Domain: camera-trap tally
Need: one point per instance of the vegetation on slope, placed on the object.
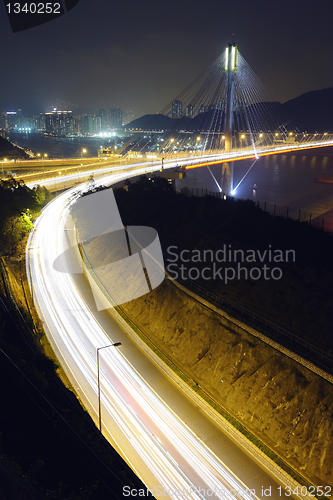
(49, 446)
(301, 300)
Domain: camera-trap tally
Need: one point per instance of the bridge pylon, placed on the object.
(230, 69)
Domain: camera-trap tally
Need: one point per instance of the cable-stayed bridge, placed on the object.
(225, 114)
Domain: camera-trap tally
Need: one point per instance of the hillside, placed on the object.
(313, 111)
(8, 150)
(286, 405)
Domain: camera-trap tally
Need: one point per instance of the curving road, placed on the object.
(149, 432)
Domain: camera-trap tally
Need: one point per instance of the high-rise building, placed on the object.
(177, 109)
(11, 119)
(94, 124)
(2, 119)
(84, 125)
(104, 120)
(60, 122)
(115, 118)
(189, 111)
(202, 109)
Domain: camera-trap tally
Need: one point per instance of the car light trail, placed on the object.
(159, 446)
(170, 455)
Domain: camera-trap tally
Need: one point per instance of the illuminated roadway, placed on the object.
(151, 436)
(70, 175)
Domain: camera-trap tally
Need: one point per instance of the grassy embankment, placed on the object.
(209, 223)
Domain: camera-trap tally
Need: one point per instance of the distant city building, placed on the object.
(10, 119)
(94, 125)
(202, 109)
(38, 122)
(60, 123)
(84, 125)
(2, 120)
(189, 111)
(177, 109)
(104, 120)
(63, 123)
(239, 104)
(115, 118)
(128, 116)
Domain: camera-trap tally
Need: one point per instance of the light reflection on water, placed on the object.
(285, 180)
(58, 147)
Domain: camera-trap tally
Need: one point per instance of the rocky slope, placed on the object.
(286, 405)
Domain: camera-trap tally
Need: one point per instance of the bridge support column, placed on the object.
(230, 68)
(227, 183)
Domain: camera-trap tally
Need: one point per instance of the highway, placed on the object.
(62, 174)
(148, 430)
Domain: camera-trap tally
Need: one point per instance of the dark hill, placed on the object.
(313, 111)
(8, 150)
(214, 119)
(152, 122)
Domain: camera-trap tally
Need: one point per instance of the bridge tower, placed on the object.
(230, 69)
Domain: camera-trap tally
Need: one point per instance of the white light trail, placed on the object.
(166, 453)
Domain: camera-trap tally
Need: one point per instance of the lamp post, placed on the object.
(83, 151)
(5, 159)
(116, 344)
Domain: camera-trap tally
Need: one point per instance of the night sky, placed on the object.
(139, 54)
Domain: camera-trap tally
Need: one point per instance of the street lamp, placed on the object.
(5, 159)
(83, 151)
(116, 344)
